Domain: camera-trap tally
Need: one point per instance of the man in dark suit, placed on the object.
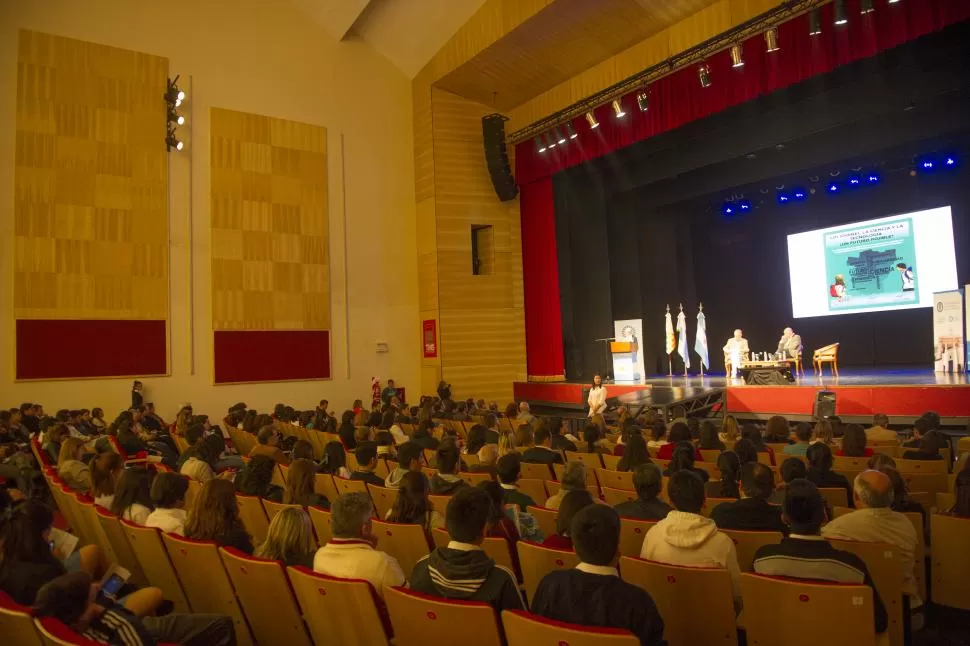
(560, 442)
(540, 449)
(648, 481)
(753, 512)
(491, 429)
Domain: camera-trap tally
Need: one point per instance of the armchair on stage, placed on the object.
(827, 354)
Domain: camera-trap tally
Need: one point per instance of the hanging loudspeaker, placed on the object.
(497, 157)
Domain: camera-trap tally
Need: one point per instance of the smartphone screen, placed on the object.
(112, 586)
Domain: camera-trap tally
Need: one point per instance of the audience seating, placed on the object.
(421, 619)
(87, 513)
(264, 595)
(632, 533)
(54, 633)
(146, 543)
(928, 482)
(711, 468)
(346, 485)
(610, 461)
(537, 561)
(338, 611)
(206, 584)
(253, 517)
(382, 470)
(747, 545)
(835, 496)
(439, 503)
(16, 623)
(545, 518)
(710, 455)
(950, 561)
(321, 524)
(678, 592)
(925, 499)
(427, 471)
(842, 463)
(279, 479)
(323, 485)
(882, 561)
(615, 479)
(271, 508)
(474, 478)
(430, 457)
(614, 497)
(524, 629)
(591, 460)
(471, 459)
(552, 487)
(406, 543)
(124, 555)
(921, 467)
(944, 502)
(195, 488)
(916, 519)
(802, 613)
(383, 499)
(535, 489)
(710, 504)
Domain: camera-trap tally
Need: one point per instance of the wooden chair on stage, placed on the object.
(826, 354)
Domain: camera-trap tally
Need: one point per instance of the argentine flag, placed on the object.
(682, 339)
(700, 342)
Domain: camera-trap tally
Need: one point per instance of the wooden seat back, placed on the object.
(524, 629)
(537, 561)
(338, 611)
(421, 619)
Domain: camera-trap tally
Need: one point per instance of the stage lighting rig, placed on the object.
(558, 136)
(174, 97)
(704, 74)
(737, 56)
(814, 23)
(618, 109)
(771, 40)
(866, 7)
(643, 100)
(569, 131)
(591, 119)
(840, 15)
(540, 147)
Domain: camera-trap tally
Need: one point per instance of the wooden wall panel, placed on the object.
(270, 225)
(481, 318)
(91, 182)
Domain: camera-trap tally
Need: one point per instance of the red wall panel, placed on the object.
(271, 355)
(55, 349)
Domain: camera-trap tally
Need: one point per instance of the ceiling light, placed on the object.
(550, 142)
(737, 56)
(866, 7)
(840, 16)
(618, 109)
(771, 40)
(171, 142)
(643, 100)
(814, 23)
(591, 119)
(540, 147)
(570, 132)
(704, 74)
(557, 134)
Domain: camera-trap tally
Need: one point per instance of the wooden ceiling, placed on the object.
(560, 41)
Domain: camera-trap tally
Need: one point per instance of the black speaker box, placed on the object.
(824, 404)
(497, 157)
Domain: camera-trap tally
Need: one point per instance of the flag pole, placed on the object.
(700, 308)
(685, 339)
(670, 362)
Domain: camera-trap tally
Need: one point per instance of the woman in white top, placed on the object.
(133, 499)
(597, 397)
(168, 495)
(199, 466)
(105, 471)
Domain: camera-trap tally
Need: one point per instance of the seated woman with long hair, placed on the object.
(105, 471)
(334, 460)
(752, 433)
(683, 460)
(854, 443)
(412, 505)
(214, 516)
(709, 440)
(727, 487)
(52, 440)
(635, 453)
(201, 465)
(289, 539)
(29, 562)
(133, 495)
(299, 488)
(499, 524)
(820, 471)
(256, 479)
(75, 473)
(730, 430)
(570, 506)
(168, 495)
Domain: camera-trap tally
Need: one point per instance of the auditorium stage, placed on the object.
(903, 394)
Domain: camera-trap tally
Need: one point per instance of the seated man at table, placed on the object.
(790, 344)
(806, 555)
(735, 351)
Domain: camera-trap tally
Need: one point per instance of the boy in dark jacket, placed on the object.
(447, 460)
(462, 570)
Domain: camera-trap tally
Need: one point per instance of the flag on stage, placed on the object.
(682, 339)
(700, 341)
(671, 340)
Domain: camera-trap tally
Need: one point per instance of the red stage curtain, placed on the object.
(678, 99)
(540, 271)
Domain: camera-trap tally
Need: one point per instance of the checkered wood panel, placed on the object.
(91, 182)
(270, 253)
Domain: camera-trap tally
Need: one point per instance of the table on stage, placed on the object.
(770, 371)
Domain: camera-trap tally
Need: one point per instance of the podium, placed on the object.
(624, 360)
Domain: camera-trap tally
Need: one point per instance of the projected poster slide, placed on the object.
(872, 266)
(889, 263)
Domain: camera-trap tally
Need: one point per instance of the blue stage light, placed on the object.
(799, 194)
(744, 205)
(728, 208)
(783, 198)
(873, 178)
(950, 161)
(927, 165)
(832, 188)
(855, 181)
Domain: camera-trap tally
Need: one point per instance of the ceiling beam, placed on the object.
(335, 16)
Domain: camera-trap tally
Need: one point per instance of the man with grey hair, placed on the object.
(874, 521)
(648, 481)
(350, 554)
(790, 344)
(573, 479)
(525, 414)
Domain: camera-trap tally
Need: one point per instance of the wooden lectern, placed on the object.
(622, 347)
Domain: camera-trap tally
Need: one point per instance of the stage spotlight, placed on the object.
(799, 194)
(591, 119)
(771, 40)
(840, 16)
(560, 138)
(729, 208)
(784, 198)
(172, 142)
(737, 56)
(814, 23)
(832, 188)
(855, 181)
(618, 109)
(866, 7)
(173, 95)
(893, 1)
(643, 100)
(873, 178)
(569, 131)
(540, 147)
(550, 142)
(744, 205)
(950, 161)
(704, 74)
